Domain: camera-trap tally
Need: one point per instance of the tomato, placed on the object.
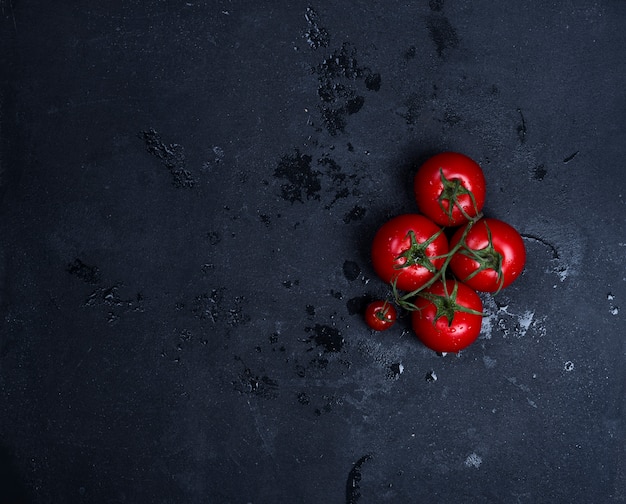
(408, 250)
(450, 188)
(380, 315)
(492, 257)
(448, 317)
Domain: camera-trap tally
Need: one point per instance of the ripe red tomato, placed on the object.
(408, 250)
(448, 318)
(380, 315)
(450, 187)
(493, 256)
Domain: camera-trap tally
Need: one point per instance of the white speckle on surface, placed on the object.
(569, 366)
(508, 322)
(522, 321)
(521, 386)
(538, 327)
(613, 309)
(562, 273)
(473, 460)
(487, 326)
(489, 362)
(525, 319)
(524, 388)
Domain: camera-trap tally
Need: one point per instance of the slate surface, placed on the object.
(188, 193)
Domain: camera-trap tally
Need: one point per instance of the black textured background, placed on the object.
(188, 193)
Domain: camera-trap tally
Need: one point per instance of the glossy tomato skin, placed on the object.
(505, 240)
(393, 239)
(380, 315)
(429, 186)
(439, 335)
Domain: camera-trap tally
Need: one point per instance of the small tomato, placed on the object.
(380, 315)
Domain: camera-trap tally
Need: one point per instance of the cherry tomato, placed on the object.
(380, 315)
(448, 318)
(493, 256)
(408, 250)
(450, 188)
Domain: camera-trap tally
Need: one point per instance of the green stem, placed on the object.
(404, 301)
(451, 191)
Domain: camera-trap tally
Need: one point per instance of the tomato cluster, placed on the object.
(437, 260)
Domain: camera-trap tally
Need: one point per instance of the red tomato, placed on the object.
(450, 188)
(493, 256)
(408, 250)
(448, 318)
(380, 315)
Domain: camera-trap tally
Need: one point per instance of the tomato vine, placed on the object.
(483, 254)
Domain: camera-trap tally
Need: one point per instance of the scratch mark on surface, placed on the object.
(12, 13)
(473, 460)
(553, 249)
(524, 388)
(353, 493)
(172, 156)
(570, 157)
(268, 445)
(521, 129)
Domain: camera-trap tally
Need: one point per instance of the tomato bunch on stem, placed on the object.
(437, 280)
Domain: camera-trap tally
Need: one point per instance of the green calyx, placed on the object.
(452, 190)
(416, 255)
(446, 305)
(488, 258)
(382, 313)
(407, 300)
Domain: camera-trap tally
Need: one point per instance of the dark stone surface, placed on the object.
(188, 193)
